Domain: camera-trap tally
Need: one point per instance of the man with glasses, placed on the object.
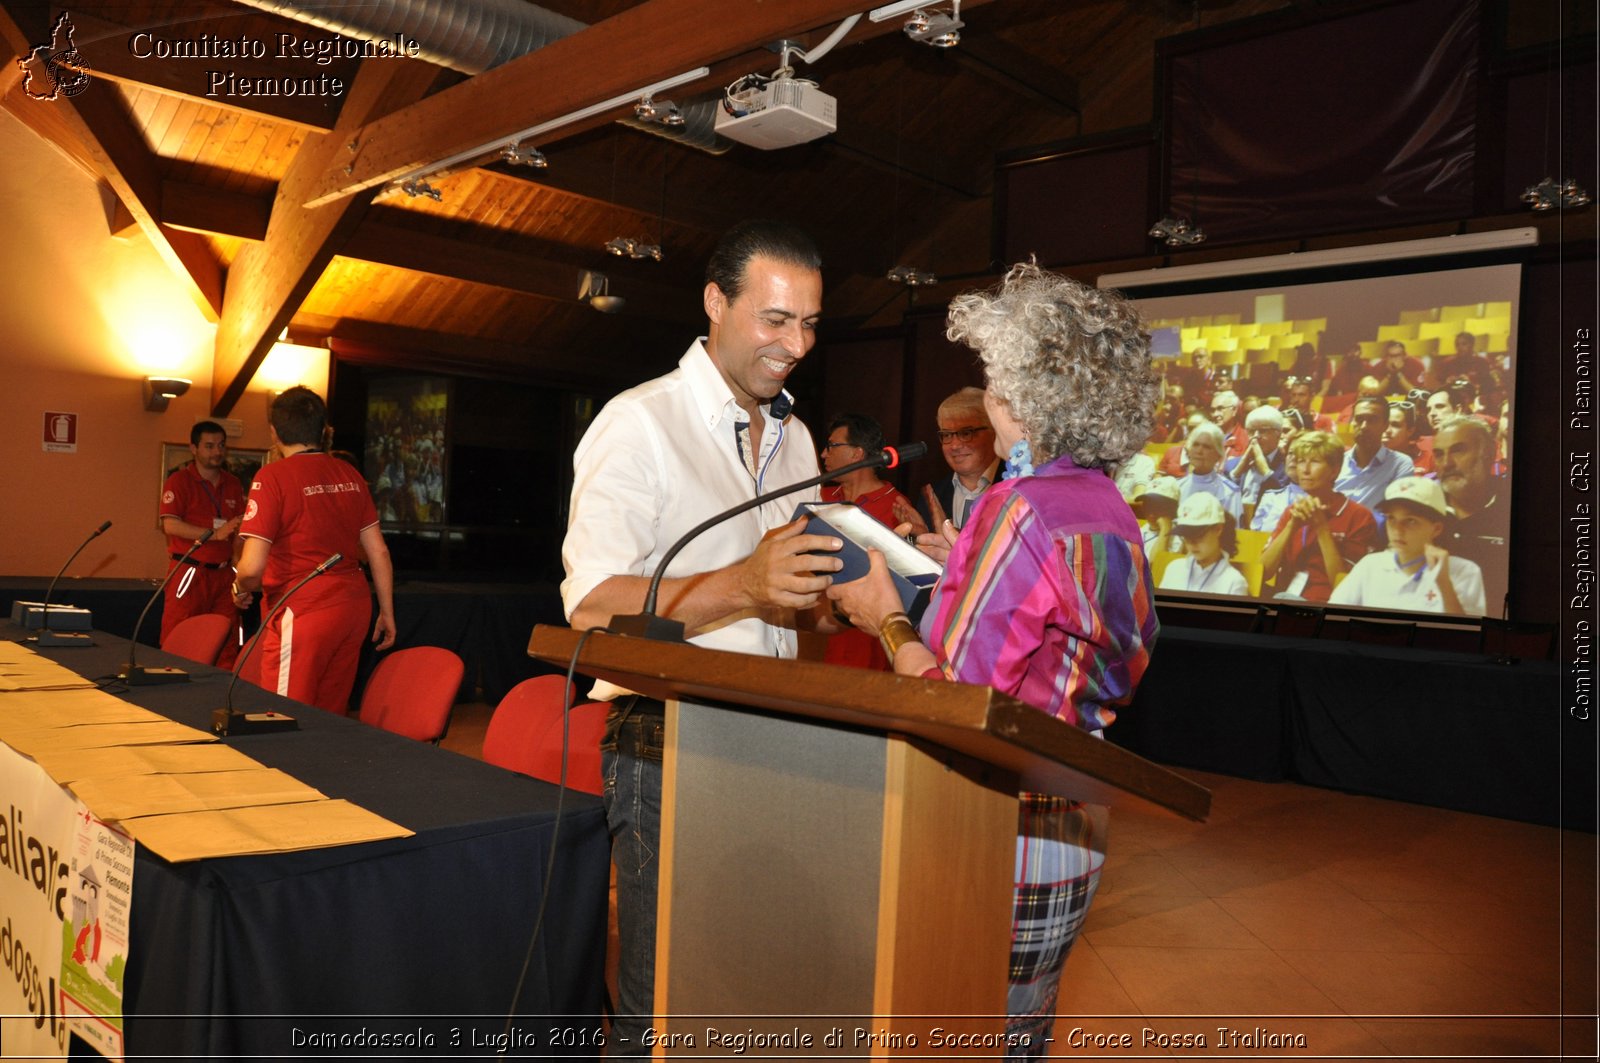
(1225, 415)
(967, 440)
(854, 437)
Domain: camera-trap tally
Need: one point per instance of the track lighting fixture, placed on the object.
(517, 155)
(1177, 232)
(649, 109)
(627, 247)
(912, 277)
(935, 29)
(1548, 195)
(419, 187)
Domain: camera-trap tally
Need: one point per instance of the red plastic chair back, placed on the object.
(412, 691)
(525, 734)
(199, 638)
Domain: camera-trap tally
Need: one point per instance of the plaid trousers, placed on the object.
(1061, 848)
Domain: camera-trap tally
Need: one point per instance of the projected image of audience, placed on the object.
(1303, 412)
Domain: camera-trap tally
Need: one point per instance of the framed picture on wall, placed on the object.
(242, 462)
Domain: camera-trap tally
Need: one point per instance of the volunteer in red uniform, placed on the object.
(303, 509)
(199, 496)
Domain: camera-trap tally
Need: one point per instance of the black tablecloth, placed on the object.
(230, 957)
(1452, 730)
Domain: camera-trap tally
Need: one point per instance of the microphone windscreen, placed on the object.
(905, 452)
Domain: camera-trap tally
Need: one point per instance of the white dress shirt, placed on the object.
(659, 459)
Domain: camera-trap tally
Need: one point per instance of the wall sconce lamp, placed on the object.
(595, 289)
(160, 390)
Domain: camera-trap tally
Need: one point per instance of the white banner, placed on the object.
(66, 890)
(36, 850)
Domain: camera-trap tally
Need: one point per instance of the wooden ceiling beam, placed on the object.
(202, 209)
(96, 131)
(551, 273)
(269, 280)
(649, 43)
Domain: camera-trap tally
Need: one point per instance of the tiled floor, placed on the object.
(1367, 929)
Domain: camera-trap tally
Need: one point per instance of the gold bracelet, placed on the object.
(897, 630)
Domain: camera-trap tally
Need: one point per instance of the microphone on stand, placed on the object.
(135, 676)
(650, 626)
(46, 637)
(228, 721)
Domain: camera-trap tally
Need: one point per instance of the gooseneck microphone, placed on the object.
(135, 676)
(648, 625)
(46, 637)
(228, 720)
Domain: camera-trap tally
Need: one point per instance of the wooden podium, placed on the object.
(838, 846)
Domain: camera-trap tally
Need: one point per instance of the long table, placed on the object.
(420, 940)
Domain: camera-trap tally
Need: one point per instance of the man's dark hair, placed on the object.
(774, 239)
(861, 431)
(1372, 400)
(206, 428)
(299, 416)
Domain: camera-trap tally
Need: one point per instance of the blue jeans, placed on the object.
(630, 761)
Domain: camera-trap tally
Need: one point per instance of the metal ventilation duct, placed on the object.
(472, 36)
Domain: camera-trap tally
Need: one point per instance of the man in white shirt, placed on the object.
(659, 459)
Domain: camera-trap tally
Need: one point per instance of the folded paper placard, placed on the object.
(914, 572)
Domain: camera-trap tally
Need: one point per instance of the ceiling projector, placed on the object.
(779, 114)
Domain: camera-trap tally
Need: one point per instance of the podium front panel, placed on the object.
(777, 829)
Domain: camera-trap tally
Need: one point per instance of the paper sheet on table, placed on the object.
(39, 741)
(22, 669)
(67, 708)
(68, 765)
(270, 829)
(130, 796)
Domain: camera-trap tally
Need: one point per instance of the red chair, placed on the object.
(525, 734)
(412, 691)
(199, 638)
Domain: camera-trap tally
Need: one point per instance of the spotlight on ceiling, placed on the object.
(627, 247)
(1548, 195)
(517, 155)
(912, 277)
(664, 112)
(935, 29)
(1178, 232)
(418, 187)
(595, 289)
